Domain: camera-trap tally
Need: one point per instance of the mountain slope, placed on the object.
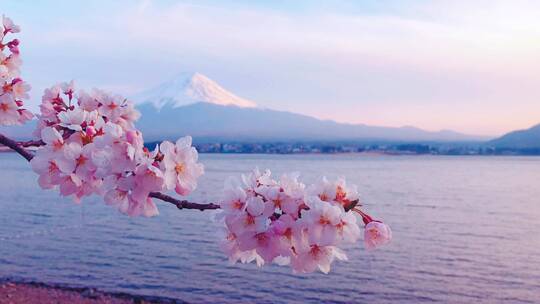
(194, 104)
(529, 138)
(189, 88)
(205, 120)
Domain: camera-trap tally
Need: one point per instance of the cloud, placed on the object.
(392, 65)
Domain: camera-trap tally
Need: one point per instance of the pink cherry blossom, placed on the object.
(111, 106)
(47, 169)
(338, 191)
(70, 184)
(81, 157)
(376, 234)
(148, 178)
(345, 194)
(280, 199)
(320, 222)
(9, 26)
(24, 115)
(68, 88)
(262, 242)
(117, 190)
(234, 197)
(128, 116)
(229, 245)
(288, 235)
(88, 102)
(8, 110)
(20, 89)
(13, 63)
(256, 179)
(246, 221)
(180, 165)
(52, 138)
(4, 70)
(13, 90)
(316, 257)
(13, 46)
(146, 207)
(347, 228)
(72, 119)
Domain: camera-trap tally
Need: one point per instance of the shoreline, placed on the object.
(364, 154)
(22, 291)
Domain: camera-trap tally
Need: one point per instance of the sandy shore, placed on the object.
(17, 293)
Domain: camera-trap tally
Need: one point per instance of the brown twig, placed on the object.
(31, 143)
(13, 145)
(180, 204)
(183, 204)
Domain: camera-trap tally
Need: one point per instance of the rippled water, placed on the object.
(466, 230)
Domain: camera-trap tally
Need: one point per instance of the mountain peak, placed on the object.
(189, 88)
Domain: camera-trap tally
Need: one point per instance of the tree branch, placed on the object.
(180, 204)
(31, 143)
(13, 145)
(183, 204)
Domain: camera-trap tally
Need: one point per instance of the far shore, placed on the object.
(15, 292)
(366, 153)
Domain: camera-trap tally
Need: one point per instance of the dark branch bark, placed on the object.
(180, 204)
(31, 143)
(183, 204)
(13, 145)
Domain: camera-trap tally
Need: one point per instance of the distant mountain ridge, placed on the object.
(520, 139)
(193, 104)
(205, 120)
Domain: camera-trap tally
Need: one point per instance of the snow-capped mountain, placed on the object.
(189, 88)
(196, 105)
(193, 104)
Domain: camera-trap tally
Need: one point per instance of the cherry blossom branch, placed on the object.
(180, 204)
(90, 143)
(183, 204)
(31, 143)
(13, 145)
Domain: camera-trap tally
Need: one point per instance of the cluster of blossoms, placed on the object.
(91, 146)
(12, 88)
(286, 222)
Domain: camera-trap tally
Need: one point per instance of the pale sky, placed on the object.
(469, 66)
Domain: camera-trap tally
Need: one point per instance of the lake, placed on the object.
(466, 230)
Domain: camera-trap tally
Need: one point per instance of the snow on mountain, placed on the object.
(189, 88)
(192, 104)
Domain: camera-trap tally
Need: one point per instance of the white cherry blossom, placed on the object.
(72, 119)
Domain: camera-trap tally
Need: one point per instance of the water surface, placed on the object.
(466, 230)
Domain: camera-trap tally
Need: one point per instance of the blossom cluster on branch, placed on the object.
(89, 145)
(92, 147)
(285, 222)
(13, 90)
